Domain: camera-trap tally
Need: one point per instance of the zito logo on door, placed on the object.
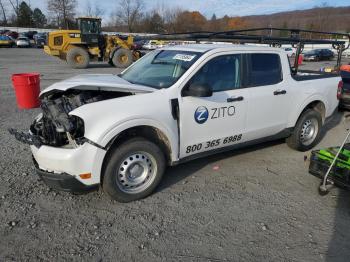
(201, 115)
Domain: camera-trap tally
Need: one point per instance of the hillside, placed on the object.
(321, 19)
(325, 19)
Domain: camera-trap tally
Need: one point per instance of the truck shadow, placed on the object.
(178, 173)
(334, 121)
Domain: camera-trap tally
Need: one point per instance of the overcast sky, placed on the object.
(219, 7)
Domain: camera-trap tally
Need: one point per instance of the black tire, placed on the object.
(122, 58)
(119, 181)
(298, 140)
(78, 58)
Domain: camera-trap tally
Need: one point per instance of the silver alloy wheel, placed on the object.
(309, 131)
(136, 172)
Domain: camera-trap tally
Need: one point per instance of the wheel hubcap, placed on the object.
(79, 59)
(136, 172)
(123, 59)
(309, 131)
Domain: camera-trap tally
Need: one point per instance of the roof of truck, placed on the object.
(220, 47)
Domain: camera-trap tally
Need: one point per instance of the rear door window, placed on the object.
(264, 69)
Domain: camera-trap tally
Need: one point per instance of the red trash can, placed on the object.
(27, 89)
(300, 59)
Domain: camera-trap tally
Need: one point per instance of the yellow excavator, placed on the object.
(79, 47)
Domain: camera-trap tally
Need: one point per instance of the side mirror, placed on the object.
(199, 90)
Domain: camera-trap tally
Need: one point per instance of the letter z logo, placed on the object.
(201, 115)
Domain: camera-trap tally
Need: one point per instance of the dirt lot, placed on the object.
(260, 205)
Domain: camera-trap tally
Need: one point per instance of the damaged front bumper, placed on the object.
(84, 159)
(62, 181)
(61, 167)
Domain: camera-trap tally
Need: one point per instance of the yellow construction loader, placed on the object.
(79, 47)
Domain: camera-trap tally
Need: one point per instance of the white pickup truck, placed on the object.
(175, 104)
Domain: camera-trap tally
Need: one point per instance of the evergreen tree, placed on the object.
(25, 15)
(39, 19)
(156, 23)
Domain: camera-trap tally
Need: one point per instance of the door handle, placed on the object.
(235, 99)
(279, 92)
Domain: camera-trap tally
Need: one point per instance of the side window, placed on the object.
(265, 69)
(58, 40)
(220, 73)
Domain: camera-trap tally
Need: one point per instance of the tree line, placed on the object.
(129, 15)
(135, 16)
(15, 13)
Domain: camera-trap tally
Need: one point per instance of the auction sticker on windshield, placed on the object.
(184, 57)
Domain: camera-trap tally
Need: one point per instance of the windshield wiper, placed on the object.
(161, 63)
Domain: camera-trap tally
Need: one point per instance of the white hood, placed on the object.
(105, 82)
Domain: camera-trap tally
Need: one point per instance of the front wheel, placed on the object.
(122, 58)
(78, 58)
(306, 132)
(133, 170)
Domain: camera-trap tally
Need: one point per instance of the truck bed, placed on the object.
(304, 75)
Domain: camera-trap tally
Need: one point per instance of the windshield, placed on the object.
(90, 26)
(160, 68)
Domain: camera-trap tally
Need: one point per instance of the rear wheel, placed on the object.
(306, 132)
(133, 170)
(122, 58)
(78, 58)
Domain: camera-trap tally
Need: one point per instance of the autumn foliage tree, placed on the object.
(235, 23)
(190, 21)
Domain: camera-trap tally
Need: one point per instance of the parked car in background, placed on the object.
(318, 55)
(40, 40)
(2, 32)
(290, 51)
(12, 34)
(30, 34)
(150, 45)
(6, 41)
(138, 45)
(154, 44)
(22, 42)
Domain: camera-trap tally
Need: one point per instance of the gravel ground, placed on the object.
(257, 204)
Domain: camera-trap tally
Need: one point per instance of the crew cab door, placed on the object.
(218, 120)
(271, 99)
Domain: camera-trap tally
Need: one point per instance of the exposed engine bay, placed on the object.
(54, 126)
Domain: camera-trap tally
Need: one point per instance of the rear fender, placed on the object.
(296, 114)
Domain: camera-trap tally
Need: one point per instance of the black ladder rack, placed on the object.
(266, 35)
